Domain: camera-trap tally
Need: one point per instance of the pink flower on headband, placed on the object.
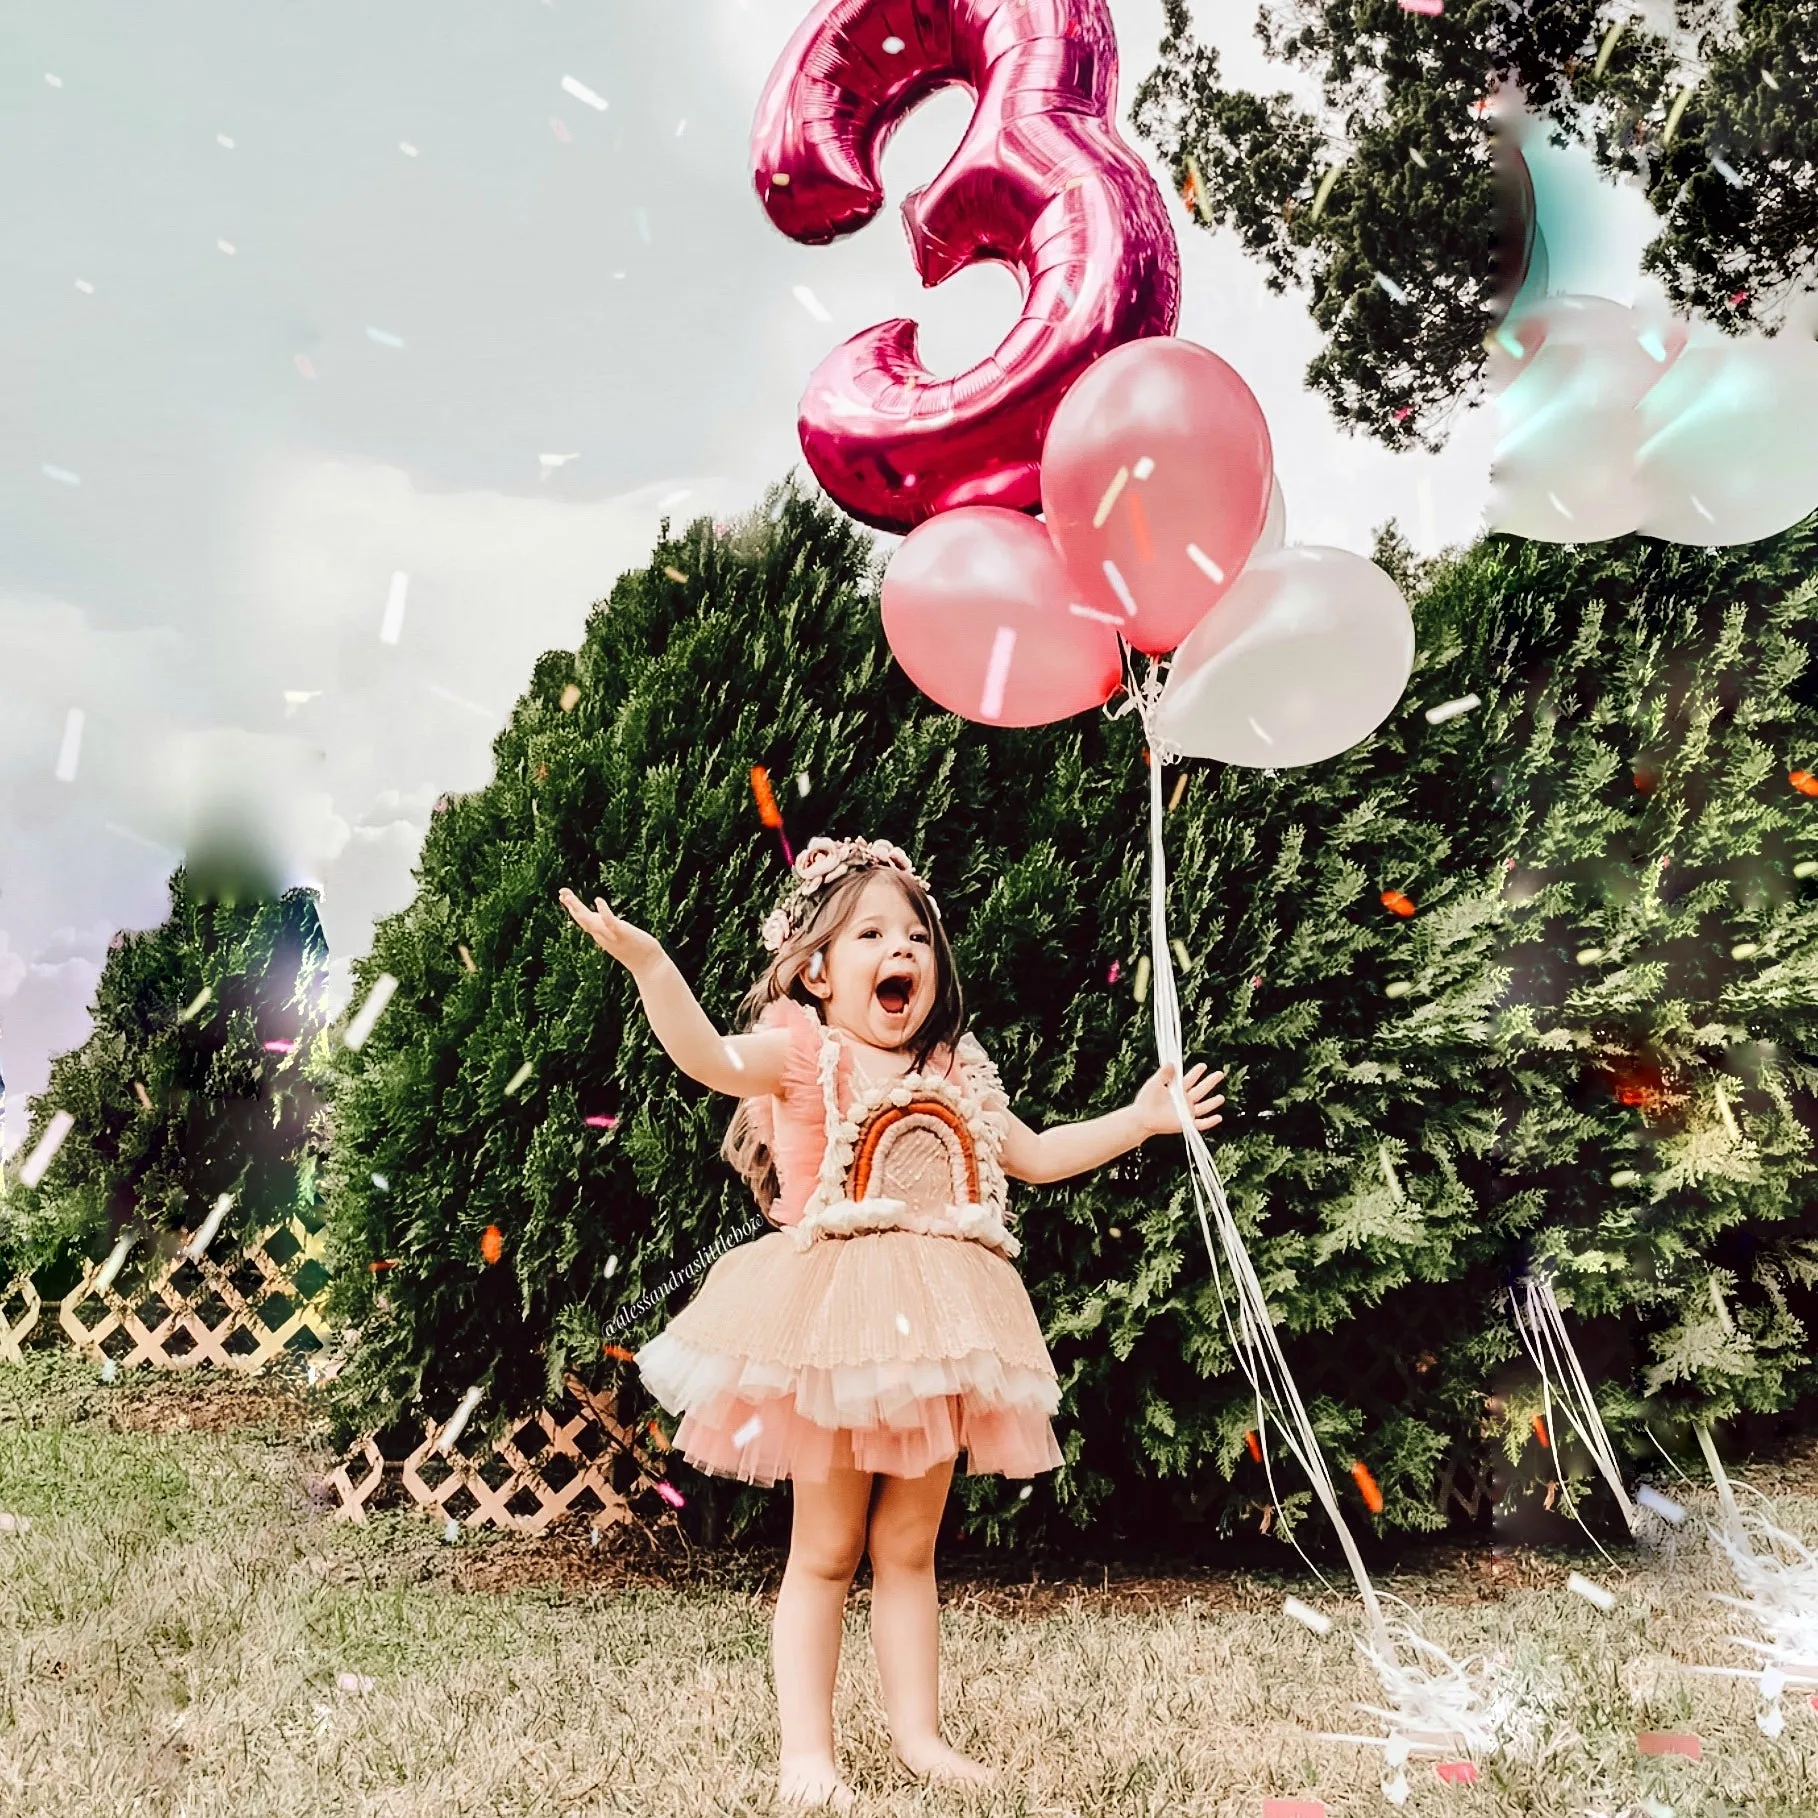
(775, 930)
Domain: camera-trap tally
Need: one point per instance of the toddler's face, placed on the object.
(877, 981)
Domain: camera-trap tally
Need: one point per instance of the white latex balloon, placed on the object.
(1303, 658)
(1729, 442)
(1569, 374)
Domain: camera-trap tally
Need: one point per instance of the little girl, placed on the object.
(881, 1330)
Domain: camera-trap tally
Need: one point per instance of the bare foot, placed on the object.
(813, 1780)
(933, 1760)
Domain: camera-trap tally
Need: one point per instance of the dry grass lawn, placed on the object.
(178, 1614)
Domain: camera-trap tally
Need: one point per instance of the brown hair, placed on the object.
(829, 912)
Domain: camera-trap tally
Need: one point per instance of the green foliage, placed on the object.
(1414, 207)
(1414, 1106)
(173, 1108)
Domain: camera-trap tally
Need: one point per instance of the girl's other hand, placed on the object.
(1155, 1105)
(631, 947)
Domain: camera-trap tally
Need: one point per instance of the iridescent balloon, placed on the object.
(1041, 181)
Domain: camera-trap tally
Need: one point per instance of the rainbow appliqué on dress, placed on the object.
(883, 1327)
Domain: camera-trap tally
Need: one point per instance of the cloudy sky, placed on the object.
(297, 300)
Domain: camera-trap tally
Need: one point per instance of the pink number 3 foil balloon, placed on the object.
(1041, 181)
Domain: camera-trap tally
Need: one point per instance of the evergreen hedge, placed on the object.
(1418, 1102)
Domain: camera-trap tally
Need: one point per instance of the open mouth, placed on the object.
(894, 995)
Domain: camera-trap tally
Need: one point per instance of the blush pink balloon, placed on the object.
(1041, 181)
(1156, 480)
(979, 612)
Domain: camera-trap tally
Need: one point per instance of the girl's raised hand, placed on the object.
(630, 946)
(1155, 1105)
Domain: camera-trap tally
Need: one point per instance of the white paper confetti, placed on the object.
(748, 1432)
(1142, 469)
(517, 1080)
(109, 1369)
(810, 302)
(997, 673)
(1119, 587)
(392, 627)
(1316, 1620)
(61, 474)
(384, 339)
(369, 1012)
(45, 1152)
(227, 246)
(1591, 1593)
(893, 45)
(1450, 710)
(1663, 1506)
(223, 140)
(196, 1004)
(353, 1682)
(71, 753)
(1109, 497)
(86, 288)
(459, 1419)
(210, 1225)
(405, 146)
(1205, 564)
(582, 92)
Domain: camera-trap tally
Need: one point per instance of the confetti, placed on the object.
(1254, 1444)
(997, 673)
(492, 1245)
(466, 957)
(1109, 497)
(60, 474)
(459, 1419)
(681, 126)
(1726, 171)
(1456, 1773)
(1366, 1485)
(143, 1096)
(582, 92)
(1450, 710)
(658, 1435)
(1388, 286)
(670, 1494)
(1304, 1613)
(54, 81)
(803, 785)
(353, 1682)
(902, 1325)
(1205, 564)
(1142, 469)
(1180, 789)
(1142, 978)
(1673, 114)
(382, 1183)
(1399, 904)
(210, 1225)
(1591, 1593)
(223, 140)
(1540, 1433)
(517, 1080)
(71, 751)
(1324, 190)
(620, 1353)
(560, 129)
(602, 1123)
(1111, 977)
(1414, 153)
(1431, 8)
(369, 1012)
(86, 288)
(611, 1269)
(303, 365)
(558, 460)
(1139, 529)
(1180, 953)
(451, 1529)
(109, 1369)
(280, 1047)
(227, 246)
(392, 627)
(768, 812)
(571, 696)
(405, 146)
(15, 1524)
(780, 179)
(1198, 200)
(1092, 612)
(1610, 39)
(45, 1153)
(374, 1268)
(383, 338)
(1119, 587)
(748, 1432)
(1667, 1742)
(1293, 1808)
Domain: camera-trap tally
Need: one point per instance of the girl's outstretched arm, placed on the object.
(1069, 1149)
(743, 1066)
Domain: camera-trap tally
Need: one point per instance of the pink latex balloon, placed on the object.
(1156, 479)
(979, 612)
(1041, 181)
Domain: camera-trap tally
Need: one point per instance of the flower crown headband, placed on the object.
(819, 864)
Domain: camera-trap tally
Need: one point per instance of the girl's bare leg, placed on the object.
(826, 1542)
(905, 1622)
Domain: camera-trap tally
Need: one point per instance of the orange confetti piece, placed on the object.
(767, 809)
(1139, 529)
(1367, 1486)
(1399, 904)
(1255, 1446)
(1294, 1808)
(1803, 781)
(1540, 1433)
(1665, 1742)
(492, 1243)
(1456, 1773)
(620, 1353)
(659, 1436)
(375, 1267)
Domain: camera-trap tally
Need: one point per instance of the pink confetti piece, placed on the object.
(280, 1047)
(1668, 1742)
(1294, 1808)
(1432, 8)
(997, 672)
(1456, 1773)
(304, 367)
(602, 1123)
(559, 128)
(670, 1494)
(1112, 976)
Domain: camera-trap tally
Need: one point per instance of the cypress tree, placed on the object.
(175, 1095)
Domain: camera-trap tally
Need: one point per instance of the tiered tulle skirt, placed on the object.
(889, 1352)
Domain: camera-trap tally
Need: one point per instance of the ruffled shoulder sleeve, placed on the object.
(982, 1076)
(806, 1032)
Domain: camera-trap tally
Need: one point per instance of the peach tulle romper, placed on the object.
(882, 1328)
